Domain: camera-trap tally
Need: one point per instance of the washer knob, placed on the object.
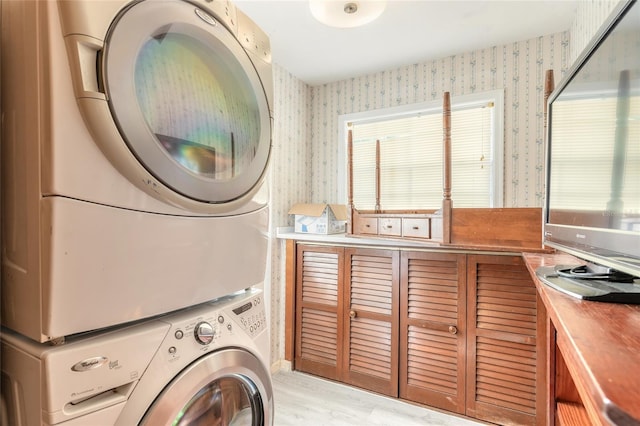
(204, 333)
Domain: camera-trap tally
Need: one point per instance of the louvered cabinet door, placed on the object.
(432, 329)
(502, 340)
(319, 310)
(371, 320)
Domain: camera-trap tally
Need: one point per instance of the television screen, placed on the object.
(592, 206)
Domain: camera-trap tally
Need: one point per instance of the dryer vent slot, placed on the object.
(100, 400)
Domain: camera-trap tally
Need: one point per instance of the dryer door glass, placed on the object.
(198, 104)
(187, 100)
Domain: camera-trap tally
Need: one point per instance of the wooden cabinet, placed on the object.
(370, 314)
(502, 360)
(425, 226)
(432, 324)
(468, 335)
(347, 316)
(593, 354)
(319, 319)
(451, 330)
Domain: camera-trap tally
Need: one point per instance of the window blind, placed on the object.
(411, 157)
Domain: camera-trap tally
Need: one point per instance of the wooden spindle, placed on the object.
(378, 209)
(446, 189)
(350, 207)
(446, 124)
(548, 88)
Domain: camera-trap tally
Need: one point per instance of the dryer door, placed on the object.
(187, 100)
(229, 387)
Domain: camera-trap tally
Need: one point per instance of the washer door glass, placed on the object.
(228, 387)
(227, 401)
(187, 100)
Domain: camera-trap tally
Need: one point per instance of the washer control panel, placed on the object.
(192, 331)
(197, 332)
(207, 326)
(251, 315)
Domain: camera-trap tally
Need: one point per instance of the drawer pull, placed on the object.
(416, 228)
(368, 226)
(389, 226)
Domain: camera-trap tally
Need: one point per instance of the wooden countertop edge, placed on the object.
(592, 396)
(596, 402)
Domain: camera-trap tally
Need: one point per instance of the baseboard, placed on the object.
(281, 365)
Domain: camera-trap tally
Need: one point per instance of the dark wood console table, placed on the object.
(593, 366)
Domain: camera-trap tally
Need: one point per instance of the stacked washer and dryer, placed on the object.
(135, 142)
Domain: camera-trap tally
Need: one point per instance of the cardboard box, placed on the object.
(319, 218)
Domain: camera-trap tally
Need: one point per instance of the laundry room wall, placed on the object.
(290, 174)
(518, 68)
(305, 163)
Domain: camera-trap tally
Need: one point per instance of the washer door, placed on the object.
(187, 100)
(229, 387)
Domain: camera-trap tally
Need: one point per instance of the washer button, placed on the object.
(220, 319)
(172, 350)
(179, 334)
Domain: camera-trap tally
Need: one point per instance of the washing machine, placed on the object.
(135, 142)
(204, 365)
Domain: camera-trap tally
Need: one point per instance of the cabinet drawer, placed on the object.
(389, 226)
(366, 225)
(417, 228)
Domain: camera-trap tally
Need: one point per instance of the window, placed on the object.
(411, 154)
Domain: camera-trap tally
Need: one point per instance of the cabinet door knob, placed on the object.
(453, 329)
(352, 314)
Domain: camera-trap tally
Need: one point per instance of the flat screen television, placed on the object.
(592, 203)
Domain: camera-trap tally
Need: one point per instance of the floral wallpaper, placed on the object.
(517, 68)
(305, 139)
(290, 182)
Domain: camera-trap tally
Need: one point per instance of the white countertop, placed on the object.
(287, 233)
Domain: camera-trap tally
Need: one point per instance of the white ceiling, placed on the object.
(408, 32)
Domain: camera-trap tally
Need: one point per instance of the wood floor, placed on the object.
(305, 400)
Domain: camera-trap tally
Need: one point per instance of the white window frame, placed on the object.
(457, 102)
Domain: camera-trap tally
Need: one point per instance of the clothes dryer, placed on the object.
(201, 366)
(136, 137)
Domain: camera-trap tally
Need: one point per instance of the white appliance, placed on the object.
(200, 366)
(136, 136)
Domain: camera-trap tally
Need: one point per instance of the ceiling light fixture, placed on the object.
(346, 14)
(350, 8)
